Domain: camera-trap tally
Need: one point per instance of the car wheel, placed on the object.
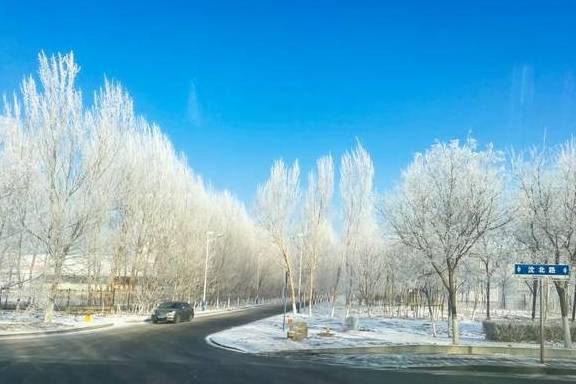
(176, 319)
(155, 321)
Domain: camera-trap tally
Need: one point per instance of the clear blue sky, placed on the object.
(238, 84)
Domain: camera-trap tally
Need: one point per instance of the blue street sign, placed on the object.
(559, 270)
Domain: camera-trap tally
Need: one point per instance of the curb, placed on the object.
(549, 371)
(216, 344)
(472, 350)
(55, 332)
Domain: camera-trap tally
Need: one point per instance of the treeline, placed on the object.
(455, 223)
(98, 192)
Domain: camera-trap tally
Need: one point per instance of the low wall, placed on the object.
(558, 353)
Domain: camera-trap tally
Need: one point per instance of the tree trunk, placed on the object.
(503, 295)
(475, 304)
(453, 312)
(430, 310)
(487, 296)
(311, 291)
(349, 270)
(292, 291)
(335, 289)
(49, 309)
(561, 290)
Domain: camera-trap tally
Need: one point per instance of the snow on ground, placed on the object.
(267, 335)
(13, 322)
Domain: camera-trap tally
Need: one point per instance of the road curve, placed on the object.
(167, 353)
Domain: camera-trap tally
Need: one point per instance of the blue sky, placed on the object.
(238, 84)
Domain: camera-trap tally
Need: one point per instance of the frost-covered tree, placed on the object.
(494, 252)
(99, 194)
(547, 197)
(276, 204)
(358, 221)
(316, 215)
(371, 269)
(527, 240)
(14, 179)
(450, 197)
(70, 155)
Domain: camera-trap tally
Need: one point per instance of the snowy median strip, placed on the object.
(374, 336)
(266, 335)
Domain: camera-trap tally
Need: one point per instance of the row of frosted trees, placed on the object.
(98, 195)
(447, 234)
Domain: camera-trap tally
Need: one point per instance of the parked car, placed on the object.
(173, 311)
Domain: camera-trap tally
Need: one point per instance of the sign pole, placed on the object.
(542, 321)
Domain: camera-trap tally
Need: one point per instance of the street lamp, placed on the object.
(301, 236)
(208, 238)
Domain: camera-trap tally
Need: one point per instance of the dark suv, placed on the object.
(173, 311)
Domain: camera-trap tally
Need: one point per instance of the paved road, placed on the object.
(151, 353)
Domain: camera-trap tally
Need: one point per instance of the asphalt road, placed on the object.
(166, 353)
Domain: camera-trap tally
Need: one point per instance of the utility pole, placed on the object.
(208, 235)
(284, 293)
(301, 236)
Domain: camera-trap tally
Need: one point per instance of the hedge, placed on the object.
(525, 330)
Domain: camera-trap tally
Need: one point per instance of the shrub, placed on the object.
(524, 330)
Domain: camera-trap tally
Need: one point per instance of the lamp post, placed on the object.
(208, 238)
(301, 236)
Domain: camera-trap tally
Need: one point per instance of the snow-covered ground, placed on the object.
(267, 335)
(28, 321)
(12, 322)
